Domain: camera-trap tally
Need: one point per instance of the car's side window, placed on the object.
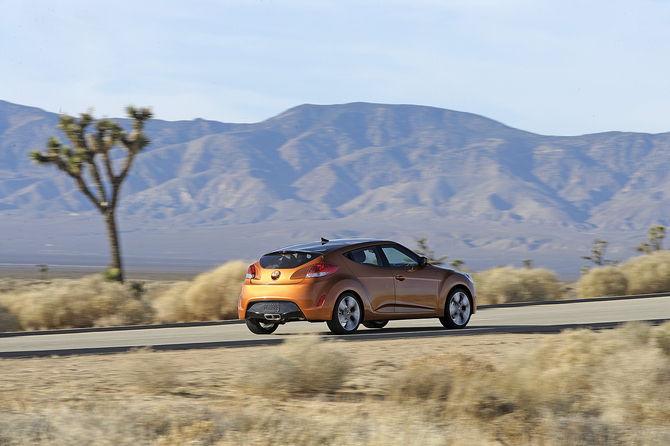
(366, 256)
(398, 258)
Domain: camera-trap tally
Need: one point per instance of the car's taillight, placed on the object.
(252, 273)
(321, 269)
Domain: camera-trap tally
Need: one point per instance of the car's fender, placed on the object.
(452, 281)
(345, 285)
(325, 311)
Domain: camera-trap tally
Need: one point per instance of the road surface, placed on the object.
(547, 317)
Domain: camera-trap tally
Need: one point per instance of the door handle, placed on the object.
(400, 278)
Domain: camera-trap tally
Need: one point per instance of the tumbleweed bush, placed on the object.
(507, 284)
(648, 273)
(211, 296)
(603, 281)
(304, 364)
(85, 302)
(579, 387)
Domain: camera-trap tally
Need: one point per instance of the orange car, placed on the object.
(351, 282)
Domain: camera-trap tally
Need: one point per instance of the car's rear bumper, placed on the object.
(306, 296)
(274, 311)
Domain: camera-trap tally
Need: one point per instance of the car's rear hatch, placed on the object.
(284, 267)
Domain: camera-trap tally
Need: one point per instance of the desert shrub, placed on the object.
(171, 306)
(635, 332)
(211, 296)
(113, 423)
(304, 364)
(648, 273)
(579, 387)
(163, 422)
(150, 372)
(112, 275)
(86, 302)
(663, 338)
(603, 281)
(584, 372)
(8, 320)
(508, 284)
(426, 379)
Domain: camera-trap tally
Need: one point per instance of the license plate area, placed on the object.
(267, 307)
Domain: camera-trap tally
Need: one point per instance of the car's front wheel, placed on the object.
(347, 315)
(375, 324)
(457, 310)
(260, 327)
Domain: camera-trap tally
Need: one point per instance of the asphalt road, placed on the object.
(550, 317)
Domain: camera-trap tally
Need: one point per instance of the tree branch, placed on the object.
(78, 178)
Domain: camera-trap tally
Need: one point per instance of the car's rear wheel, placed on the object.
(347, 315)
(457, 310)
(375, 324)
(260, 327)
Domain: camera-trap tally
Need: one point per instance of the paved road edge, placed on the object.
(385, 334)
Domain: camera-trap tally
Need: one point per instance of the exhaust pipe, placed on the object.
(273, 317)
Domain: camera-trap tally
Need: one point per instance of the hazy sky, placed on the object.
(550, 67)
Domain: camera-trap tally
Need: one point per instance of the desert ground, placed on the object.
(456, 390)
(92, 398)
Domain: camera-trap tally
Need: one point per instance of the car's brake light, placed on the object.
(321, 269)
(252, 273)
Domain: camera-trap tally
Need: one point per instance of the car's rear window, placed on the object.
(287, 259)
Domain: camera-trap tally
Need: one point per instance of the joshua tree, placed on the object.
(428, 253)
(89, 162)
(43, 268)
(598, 254)
(655, 241)
(456, 263)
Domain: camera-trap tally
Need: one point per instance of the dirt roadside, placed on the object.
(213, 372)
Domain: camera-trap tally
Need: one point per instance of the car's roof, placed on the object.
(329, 245)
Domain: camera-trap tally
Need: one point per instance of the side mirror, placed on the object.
(423, 261)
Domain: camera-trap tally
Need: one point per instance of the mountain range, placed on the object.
(206, 191)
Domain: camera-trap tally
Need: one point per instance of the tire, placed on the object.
(457, 309)
(375, 324)
(259, 327)
(347, 315)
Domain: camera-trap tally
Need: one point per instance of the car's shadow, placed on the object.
(385, 332)
(418, 332)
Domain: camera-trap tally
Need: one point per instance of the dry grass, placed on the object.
(580, 387)
(507, 284)
(588, 374)
(305, 364)
(151, 373)
(90, 301)
(576, 388)
(603, 281)
(422, 380)
(645, 274)
(86, 302)
(211, 296)
(663, 338)
(8, 320)
(648, 273)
